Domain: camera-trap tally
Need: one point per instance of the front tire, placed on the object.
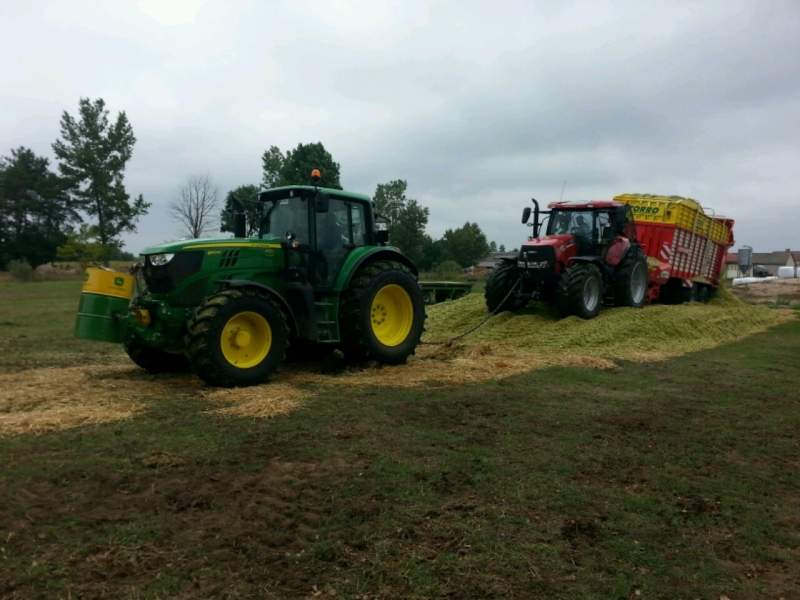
(155, 360)
(382, 315)
(580, 291)
(630, 279)
(498, 285)
(237, 338)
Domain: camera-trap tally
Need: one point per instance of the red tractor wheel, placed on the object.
(580, 291)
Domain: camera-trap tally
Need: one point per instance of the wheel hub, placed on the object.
(241, 339)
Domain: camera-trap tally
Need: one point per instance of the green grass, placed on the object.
(677, 479)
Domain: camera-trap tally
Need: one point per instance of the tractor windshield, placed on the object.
(576, 222)
(287, 217)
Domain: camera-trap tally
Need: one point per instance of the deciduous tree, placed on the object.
(195, 208)
(93, 153)
(248, 194)
(467, 244)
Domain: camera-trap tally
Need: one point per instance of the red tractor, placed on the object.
(588, 256)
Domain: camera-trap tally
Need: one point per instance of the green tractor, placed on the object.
(319, 277)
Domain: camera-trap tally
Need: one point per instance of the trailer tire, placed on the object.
(156, 360)
(703, 294)
(580, 291)
(382, 314)
(630, 278)
(498, 284)
(237, 338)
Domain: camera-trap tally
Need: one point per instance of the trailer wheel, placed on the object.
(498, 284)
(237, 338)
(580, 291)
(703, 294)
(155, 360)
(382, 314)
(630, 279)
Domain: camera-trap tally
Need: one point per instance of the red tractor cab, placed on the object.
(589, 255)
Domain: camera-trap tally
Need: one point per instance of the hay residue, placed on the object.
(508, 344)
(655, 332)
(263, 401)
(51, 399)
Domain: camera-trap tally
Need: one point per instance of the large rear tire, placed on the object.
(155, 360)
(237, 338)
(498, 284)
(382, 315)
(580, 291)
(631, 278)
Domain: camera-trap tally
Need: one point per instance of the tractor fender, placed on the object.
(593, 260)
(377, 254)
(245, 283)
(617, 250)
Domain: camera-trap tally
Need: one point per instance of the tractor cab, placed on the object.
(317, 228)
(592, 225)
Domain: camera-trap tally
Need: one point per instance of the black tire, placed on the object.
(580, 291)
(218, 364)
(155, 360)
(703, 294)
(631, 278)
(500, 281)
(362, 314)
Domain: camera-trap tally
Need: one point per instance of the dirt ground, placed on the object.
(773, 291)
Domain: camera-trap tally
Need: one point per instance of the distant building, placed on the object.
(769, 260)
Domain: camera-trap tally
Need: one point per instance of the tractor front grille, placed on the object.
(538, 263)
(165, 278)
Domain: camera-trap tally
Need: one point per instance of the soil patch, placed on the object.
(772, 291)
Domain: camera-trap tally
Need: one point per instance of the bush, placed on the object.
(20, 270)
(448, 267)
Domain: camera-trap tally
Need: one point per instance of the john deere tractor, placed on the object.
(589, 255)
(319, 276)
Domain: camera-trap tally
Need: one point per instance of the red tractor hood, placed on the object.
(557, 241)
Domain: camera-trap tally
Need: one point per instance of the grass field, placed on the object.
(673, 479)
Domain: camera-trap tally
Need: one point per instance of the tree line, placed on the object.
(461, 247)
(84, 207)
(81, 211)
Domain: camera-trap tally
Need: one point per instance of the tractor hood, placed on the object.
(555, 241)
(203, 243)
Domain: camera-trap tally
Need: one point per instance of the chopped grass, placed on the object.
(653, 333)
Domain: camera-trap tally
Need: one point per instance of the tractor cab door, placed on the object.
(338, 231)
(289, 219)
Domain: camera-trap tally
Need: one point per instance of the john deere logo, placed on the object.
(119, 281)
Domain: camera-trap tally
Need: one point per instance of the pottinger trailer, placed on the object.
(685, 245)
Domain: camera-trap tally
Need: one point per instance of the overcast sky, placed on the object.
(479, 105)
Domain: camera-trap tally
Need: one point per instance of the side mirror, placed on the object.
(382, 237)
(322, 202)
(526, 214)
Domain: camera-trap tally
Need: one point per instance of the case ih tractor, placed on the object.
(319, 276)
(588, 256)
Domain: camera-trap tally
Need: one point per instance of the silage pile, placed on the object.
(655, 332)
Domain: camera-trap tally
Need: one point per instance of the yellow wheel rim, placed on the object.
(392, 315)
(246, 340)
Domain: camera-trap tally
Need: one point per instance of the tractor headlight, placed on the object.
(159, 260)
